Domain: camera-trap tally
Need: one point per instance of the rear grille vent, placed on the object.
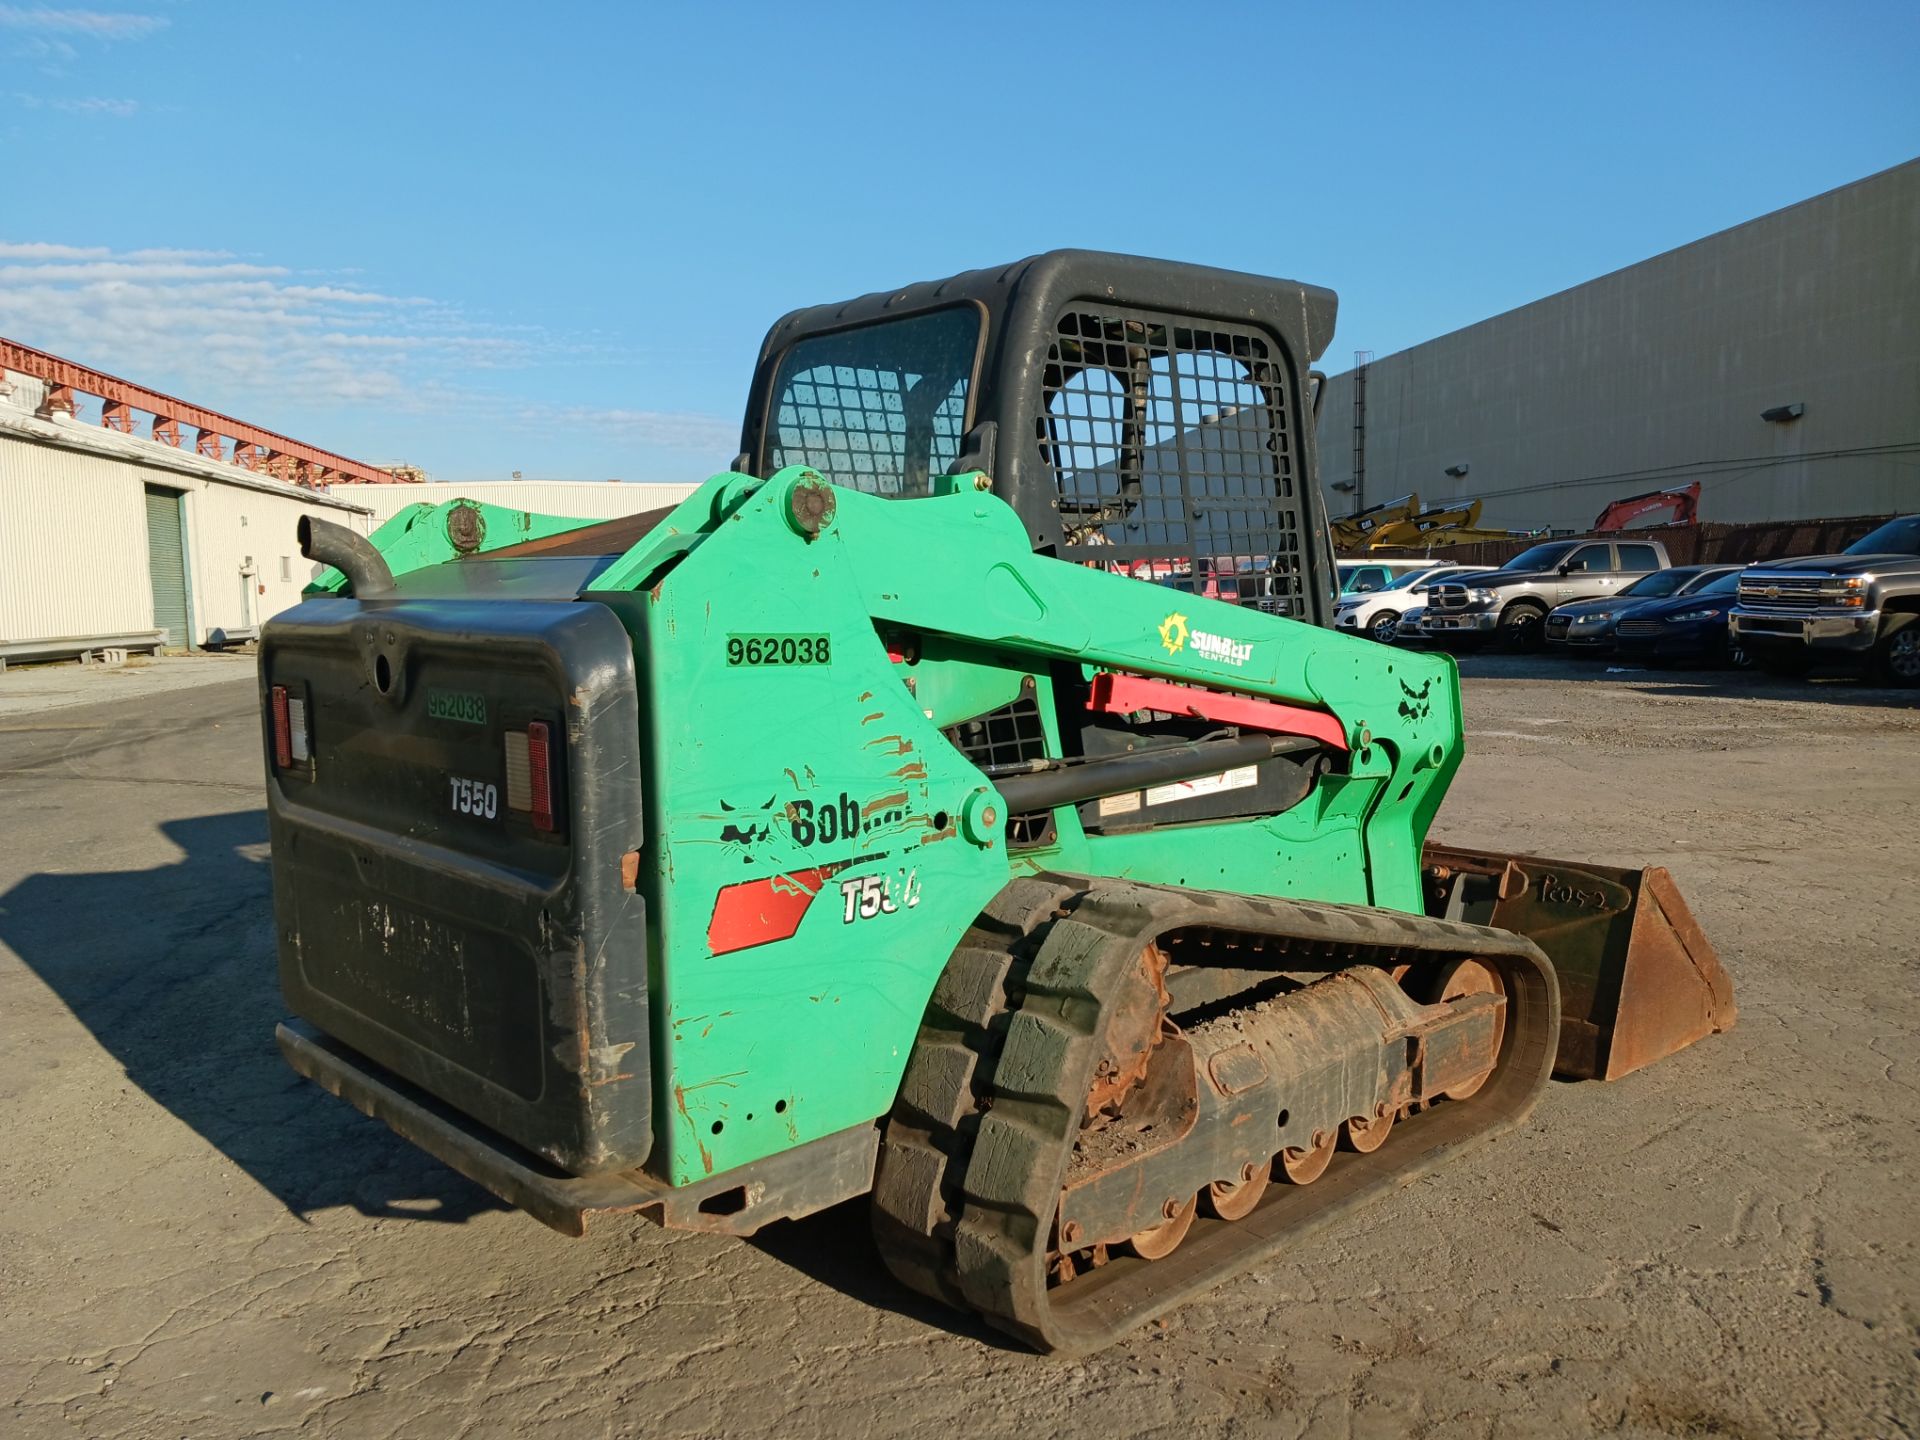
(1007, 736)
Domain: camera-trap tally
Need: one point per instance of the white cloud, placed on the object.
(42, 250)
(53, 53)
(95, 24)
(245, 337)
(93, 105)
(96, 105)
(163, 254)
(672, 429)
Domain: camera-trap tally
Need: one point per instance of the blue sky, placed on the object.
(484, 238)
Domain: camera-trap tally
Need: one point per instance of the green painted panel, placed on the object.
(806, 872)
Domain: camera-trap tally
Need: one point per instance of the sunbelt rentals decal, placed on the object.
(1176, 636)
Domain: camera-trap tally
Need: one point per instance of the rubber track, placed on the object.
(972, 1161)
(916, 1189)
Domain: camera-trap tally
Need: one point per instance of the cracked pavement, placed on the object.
(195, 1242)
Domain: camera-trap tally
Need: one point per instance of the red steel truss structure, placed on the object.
(253, 448)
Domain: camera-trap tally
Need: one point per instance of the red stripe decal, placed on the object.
(1117, 693)
(759, 912)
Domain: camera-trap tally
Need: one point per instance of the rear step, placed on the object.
(785, 1186)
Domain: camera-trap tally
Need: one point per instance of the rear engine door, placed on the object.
(454, 800)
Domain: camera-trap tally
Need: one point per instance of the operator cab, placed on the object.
(1143, 417)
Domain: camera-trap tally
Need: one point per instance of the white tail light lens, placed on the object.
(297, 729)
(519, 777)
(530, 774)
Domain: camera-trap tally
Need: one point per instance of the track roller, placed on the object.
(1305, 1164)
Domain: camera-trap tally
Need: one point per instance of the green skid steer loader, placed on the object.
(961, 803)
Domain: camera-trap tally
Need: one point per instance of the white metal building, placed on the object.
(1777, 363)
(108, 539)
(581, 499)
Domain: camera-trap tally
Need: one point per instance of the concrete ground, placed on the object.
(193, 1242)
(33, 689)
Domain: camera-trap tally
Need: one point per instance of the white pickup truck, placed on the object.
(1376, 613)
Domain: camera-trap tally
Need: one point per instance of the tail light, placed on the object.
(291, 745)
(282, 729)
(541, 774)
(530, 773)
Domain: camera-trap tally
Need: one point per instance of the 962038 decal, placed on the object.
(779, 650)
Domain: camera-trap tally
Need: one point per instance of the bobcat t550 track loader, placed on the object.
(867, 825)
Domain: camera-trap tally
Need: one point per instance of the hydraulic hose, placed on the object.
(1070, 785)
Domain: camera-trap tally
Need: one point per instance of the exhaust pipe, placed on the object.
(365, 567)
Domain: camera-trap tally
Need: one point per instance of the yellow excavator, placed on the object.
(1402, 525)
(1439, 525)
(1360, 530)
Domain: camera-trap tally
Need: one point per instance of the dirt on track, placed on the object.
(194, 1242)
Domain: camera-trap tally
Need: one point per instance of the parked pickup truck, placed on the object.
(1511, 603)
(1863, 602)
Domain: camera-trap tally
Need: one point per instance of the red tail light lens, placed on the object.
(282, 729)
(540, 775)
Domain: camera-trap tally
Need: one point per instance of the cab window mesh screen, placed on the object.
(880, 408)
(1170, 446)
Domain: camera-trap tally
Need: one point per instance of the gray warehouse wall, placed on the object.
(1656, 375)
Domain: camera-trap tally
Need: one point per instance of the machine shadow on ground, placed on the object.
(172, 970)
(836, 1248)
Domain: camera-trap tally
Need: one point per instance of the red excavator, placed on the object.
(1684, 503)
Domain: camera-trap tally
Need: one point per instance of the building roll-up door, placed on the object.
(167, 563)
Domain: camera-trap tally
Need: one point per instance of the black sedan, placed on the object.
(1588, 624)
(1687, 627)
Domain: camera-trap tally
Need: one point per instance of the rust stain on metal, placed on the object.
(876, 715)
(1133, 1031)
(898, 744)
(885, 802)
(630, 870)
(912, 770)
(680, 1104)
(680, 1093)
